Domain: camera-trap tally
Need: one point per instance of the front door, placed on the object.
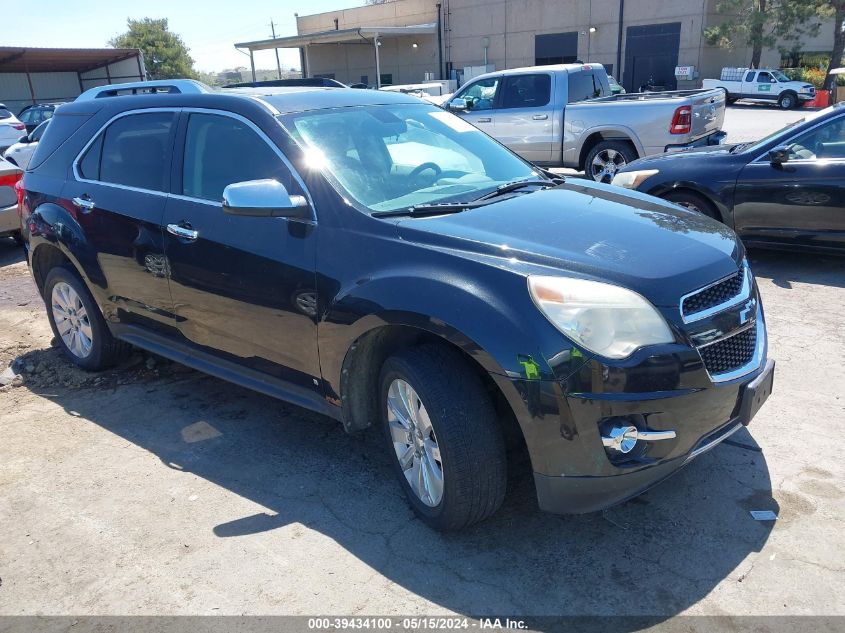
(525, 116)
(801, 200)
(480, 97)
(242, 287)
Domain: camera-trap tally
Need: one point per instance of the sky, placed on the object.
(208, 27)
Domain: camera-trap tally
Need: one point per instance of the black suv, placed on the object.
(376, 259)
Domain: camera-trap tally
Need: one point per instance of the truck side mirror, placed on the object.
(458, 105)
(779, 154)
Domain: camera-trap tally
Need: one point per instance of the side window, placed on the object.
(37, 132)
(28, 116)
(584, 86)
(134, 151)
(526, 91)
(825, 142)
(765, 78)
(221, 150)
(750, 76)
(481, 95)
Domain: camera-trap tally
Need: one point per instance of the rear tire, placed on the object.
(457, 437)
(18, 237)
(606, 158)
(77, 323)
(788, 101)
(693, 202)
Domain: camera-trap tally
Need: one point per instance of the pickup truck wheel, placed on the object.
(76, 321)
(693, 202)
(607, 158)
(787, 101)
(443, 437)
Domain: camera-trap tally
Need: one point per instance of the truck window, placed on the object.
(765, 78)
(527, 91)
(584, 86)
(750, 76)
(481, 95)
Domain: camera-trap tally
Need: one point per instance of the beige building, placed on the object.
(639, 41)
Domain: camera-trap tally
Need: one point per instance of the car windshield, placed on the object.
(393, 157)
(757, 145)
(780, 76)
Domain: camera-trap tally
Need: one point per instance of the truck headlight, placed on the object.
(632, 179)
(609, 320)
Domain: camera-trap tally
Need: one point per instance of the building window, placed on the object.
(365, 79)
(556, 48)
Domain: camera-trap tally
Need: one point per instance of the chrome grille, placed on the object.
(714, 295)
(730, 353)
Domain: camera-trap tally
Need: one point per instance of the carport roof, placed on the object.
(336, 36)
(14, 59)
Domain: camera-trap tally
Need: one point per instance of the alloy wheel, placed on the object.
(414, 442)
(605, 165)
(71, 320)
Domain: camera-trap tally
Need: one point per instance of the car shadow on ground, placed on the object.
(656, 555)
(787, 267)
(10, 251)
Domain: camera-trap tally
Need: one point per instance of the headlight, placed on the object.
(632, 179)
(603, 318)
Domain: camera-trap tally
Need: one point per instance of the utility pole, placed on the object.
(278, 64)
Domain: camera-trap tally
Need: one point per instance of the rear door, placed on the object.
(802, 200)
(243, 287)
(525, 115)
(481, 97)
(749, 84)
(118, 192)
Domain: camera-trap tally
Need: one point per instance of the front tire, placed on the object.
(77, 323)
(788, 101)
(443, 437)
(693, 202)
(606, 158)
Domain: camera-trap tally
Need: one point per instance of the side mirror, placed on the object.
(779, 154)
(24, 139)
(264, 199)
(458, 105)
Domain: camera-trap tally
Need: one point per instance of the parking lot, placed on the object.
(153, 489)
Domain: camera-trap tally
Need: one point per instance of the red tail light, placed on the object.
(19, 126)
(10, 180)
(681, 121)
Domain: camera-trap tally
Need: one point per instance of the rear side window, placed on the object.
(584, 86)
(4, 113)
(134, 151)
(750, 76)
(526, 91)
(38, 132)
(221, 150)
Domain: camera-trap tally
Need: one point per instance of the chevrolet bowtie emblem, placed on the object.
(748, 311)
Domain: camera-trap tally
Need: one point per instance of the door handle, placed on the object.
(86, 204)
(540, 117)
(183, 232)
(485, 119)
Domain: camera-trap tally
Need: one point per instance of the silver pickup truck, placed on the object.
(565, 116)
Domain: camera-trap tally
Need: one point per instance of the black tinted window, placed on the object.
(583, 86)
(219, 151)
(526, 91)
(136, 151)
(4, 113)
(60, 129)
(750, 76)
(89, 166)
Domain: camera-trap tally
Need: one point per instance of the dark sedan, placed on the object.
(787, 189)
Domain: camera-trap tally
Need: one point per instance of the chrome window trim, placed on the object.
(760, 159)
(743, 295)
(175, 109)
(756, 358)
(75, 165)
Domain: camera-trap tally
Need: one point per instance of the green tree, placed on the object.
(761, 23)
(165, 54)
(827, 10)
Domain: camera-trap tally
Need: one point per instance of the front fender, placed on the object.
(722, 199)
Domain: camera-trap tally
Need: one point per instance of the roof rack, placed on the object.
(166, 86)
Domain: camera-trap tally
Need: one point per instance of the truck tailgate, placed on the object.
(708, 112)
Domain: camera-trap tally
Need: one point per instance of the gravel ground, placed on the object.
(153, 489)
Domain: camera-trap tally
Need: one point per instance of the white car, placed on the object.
(10, 222)
(11, 128)
(21, 152)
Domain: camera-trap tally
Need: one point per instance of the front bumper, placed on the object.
(716, 138)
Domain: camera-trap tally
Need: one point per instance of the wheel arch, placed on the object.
(596, 135)
(719, 205)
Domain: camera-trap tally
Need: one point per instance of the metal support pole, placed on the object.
(278, 64)
(252, 64)
(378, 64)
(306, 70)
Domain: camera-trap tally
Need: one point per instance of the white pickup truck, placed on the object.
(565, 115)
(764, 84)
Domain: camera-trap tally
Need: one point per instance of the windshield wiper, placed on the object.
(519, 184)
(419, 210)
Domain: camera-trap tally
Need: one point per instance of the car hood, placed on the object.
(711, 152)
(594, 231)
